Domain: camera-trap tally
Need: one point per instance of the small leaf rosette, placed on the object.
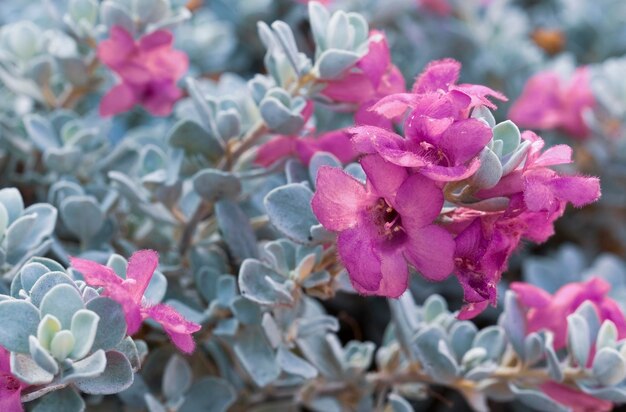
(62, 335)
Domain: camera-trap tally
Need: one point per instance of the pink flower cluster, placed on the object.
(395, 218)
(548, 312)
(129, 293)
(549, 102)
(148, 69)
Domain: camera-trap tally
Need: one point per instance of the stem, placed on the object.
(72, 94)
(203, 209)
(254, 134)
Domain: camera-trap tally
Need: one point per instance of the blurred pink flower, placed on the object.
(10, 386)
(148, 68)
(549, 102)
(545, 311)
(383, 225)
(440, 7)
(576, 400)
(129, 293)
(336, 142)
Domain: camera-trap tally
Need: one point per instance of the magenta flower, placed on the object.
(129, 293)
(10, 386)
(574, 399)
(383, 225)
(439, 141)
(543, 189)
(148, 69)
(440, 77)
(545, 311)
(548, 102)
(439, 138)
(336, 142)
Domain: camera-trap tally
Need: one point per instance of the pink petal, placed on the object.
(531, 296)
(438, 75)
(339, 199)
(119, 99)
(365, 117)
(156, 39)
(575, 399)
(352, 88)
(274, 150)
(5, 360)
(480, 94)
(539, 104)
(450, 174)
(96, 274)
(390, 146)
(338, 143)
(10, 392)
(471, 310)
(175, 325)
(183, 341)
(377, 60)
(141, 267)
(115, 50)
(464, 139)
(430, 250)
(394, 105)
(395, 275)
(418, 201)
(555, 155)
(383, 177)
(131, 308)
(359, 253)
(577, 190)
(161, 97)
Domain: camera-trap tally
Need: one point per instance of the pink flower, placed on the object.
(383, 225)
(440, 7)
(439, 138)
(336, 142)
(543, 189)
(148, 68)
(374, 76)
(576, 400)
(129, 293)
(548, 102)
(10, 386)
(545, 311)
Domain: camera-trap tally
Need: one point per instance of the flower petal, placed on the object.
(430, 250)
(359, 253)
(121, 98)
(141, 267)
(383, 177)
(175, 325)
(395, 275)
(438, 75)
(419, 201)
(339, 199)
(96, 274)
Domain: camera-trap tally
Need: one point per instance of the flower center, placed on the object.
(387, 219)
(436, 155)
